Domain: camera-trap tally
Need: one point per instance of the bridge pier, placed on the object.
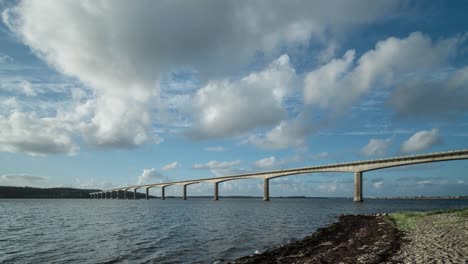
(216, 185)
(266, 189)
(147, 193)
(125, 193)
(184, 197)
(163, 193)
(135, 193)
(117, 194)
(358, 187)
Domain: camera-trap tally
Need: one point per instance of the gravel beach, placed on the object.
(435, 238)
(430, 237)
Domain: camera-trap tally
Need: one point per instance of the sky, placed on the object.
(103, 94)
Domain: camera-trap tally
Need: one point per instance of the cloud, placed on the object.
(171, 166)
(23, 177)
(27, 133)
(332, 88)
(151, 176)
(285, 134)
(227, 108)
(4, 58)
(319, 156)
(268, 162)
(215, 149)
(376, 147)
(219, 168)
(443, 98)
(329, 187)
(420, 179)
(377, 183)
(421, 140)
(213, 164)
(27, 88)
(22, 180)
(123, 60)
(340, 82)
(93, 184)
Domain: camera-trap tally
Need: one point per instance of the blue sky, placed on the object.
(100, 94)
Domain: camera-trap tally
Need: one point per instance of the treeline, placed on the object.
(10, 192)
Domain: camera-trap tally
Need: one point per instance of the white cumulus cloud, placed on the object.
(120, 50)
(340, 82)
(267, 162)
(226, 108)
(171, 166)
(219, 168)
(376, 147)
(151, 176)
(27, 133)
(421, 140)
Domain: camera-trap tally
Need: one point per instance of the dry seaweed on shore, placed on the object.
(353, 239)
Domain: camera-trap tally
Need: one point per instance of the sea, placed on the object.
(197, 230)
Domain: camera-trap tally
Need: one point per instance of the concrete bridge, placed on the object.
(356, 167)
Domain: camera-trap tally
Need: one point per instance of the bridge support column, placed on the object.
(135, 194)
(358, 186)
(216, 185)
(185, 193)
(163, 193)
(117, 194)
(147, 193)
(266, 190)
(125, 193)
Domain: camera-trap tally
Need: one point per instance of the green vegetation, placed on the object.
(10, 192)
(408, 220)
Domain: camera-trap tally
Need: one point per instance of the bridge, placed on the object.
(356, 167)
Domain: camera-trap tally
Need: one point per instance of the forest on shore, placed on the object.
(13, 192)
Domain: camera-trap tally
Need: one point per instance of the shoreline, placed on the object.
(407, 237)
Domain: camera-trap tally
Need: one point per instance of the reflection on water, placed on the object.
(170, 231)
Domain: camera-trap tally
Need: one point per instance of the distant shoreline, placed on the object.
(16, 192)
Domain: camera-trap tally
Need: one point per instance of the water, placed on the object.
(170, 231)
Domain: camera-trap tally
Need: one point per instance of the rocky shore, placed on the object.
(434, 237)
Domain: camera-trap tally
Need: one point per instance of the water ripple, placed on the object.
(171, 231)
